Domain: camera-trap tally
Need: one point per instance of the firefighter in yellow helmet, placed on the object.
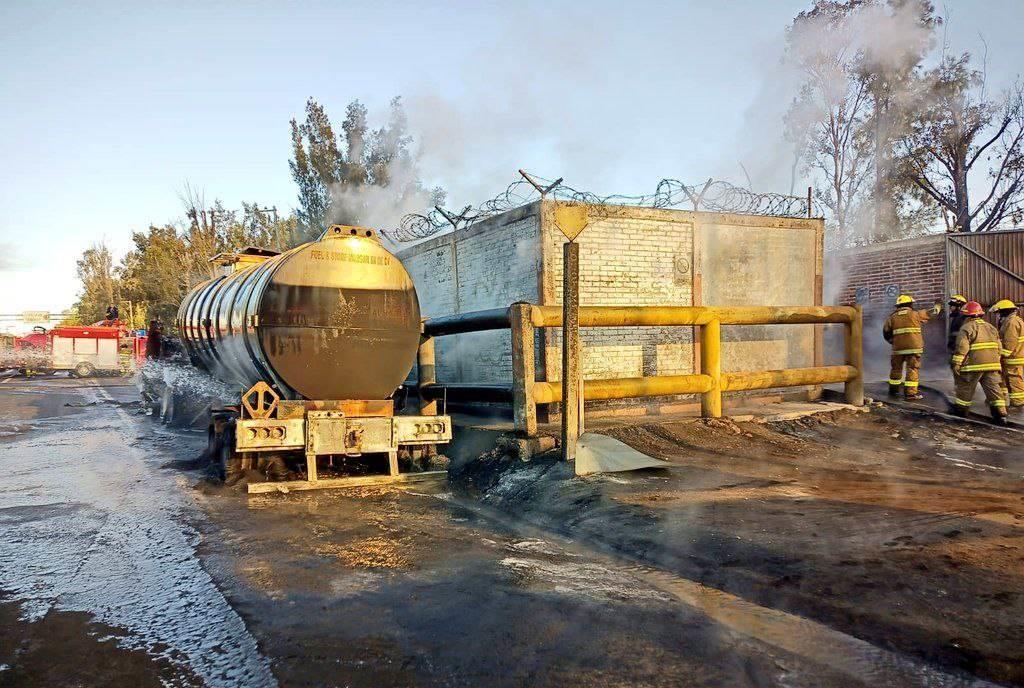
(976, 359)
(956, 319)
(902, 329)
(1011, 343)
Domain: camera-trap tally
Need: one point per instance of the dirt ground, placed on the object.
(850, 549)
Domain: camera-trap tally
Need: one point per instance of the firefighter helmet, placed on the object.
(1004, 305)
(973, 308)
(957, 298)
(904, 300)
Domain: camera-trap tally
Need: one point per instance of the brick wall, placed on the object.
(916, 266)
(628, 257)
(873, 275)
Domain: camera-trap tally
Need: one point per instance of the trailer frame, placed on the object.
(264, 422)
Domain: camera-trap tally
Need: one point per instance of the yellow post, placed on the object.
(524, 375)
(711, 365)
(426, 374)
(854, 331)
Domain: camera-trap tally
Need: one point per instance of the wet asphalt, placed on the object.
(119, 567)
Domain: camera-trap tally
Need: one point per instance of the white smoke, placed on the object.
(382, 206)
(882, 37)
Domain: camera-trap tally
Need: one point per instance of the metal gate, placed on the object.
(986, 266)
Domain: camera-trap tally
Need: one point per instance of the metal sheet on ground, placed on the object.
(602, 454)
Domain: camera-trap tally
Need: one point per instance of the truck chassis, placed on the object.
(266, 424)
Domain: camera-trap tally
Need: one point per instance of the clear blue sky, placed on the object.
(108, 109)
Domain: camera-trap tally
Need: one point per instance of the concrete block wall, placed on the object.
(751, 261)
(630, 257)
(498, 262)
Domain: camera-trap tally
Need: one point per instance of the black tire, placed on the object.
(229, 464)
(84, 369)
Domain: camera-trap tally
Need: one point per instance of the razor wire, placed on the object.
(712, 196)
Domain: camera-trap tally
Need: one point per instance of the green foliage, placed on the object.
(100, 285)
(168, 260)
(963, 140)
(365, 177)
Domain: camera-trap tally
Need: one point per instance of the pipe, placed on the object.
(666, 316)
(475, 321)
(468, 391)
(524, 370)
(790, 377)
(626, 387)
(426, 374)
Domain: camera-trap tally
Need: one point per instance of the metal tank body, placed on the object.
(336, 318)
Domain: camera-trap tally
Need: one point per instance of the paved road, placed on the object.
(119, 567)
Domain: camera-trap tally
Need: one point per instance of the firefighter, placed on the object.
(976, 359)
(956, 319)
(902, 329)
(1011, 349)
(112, 313)
(154, 339)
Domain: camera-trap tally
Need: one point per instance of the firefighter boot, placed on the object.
(998, 415)
(958, 410)
(894, 390)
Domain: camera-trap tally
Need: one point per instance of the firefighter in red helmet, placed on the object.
(976, 359)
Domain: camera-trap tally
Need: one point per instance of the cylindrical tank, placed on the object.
(336, 318)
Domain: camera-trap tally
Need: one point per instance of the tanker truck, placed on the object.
(317, 339)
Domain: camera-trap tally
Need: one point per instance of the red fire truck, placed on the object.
(106, 348)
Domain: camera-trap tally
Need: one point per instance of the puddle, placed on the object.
(583, 579)
(94, 527)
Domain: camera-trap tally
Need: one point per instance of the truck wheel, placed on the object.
(230, 462)
(84, 369)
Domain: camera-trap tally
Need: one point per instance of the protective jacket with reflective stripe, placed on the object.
(977, 347)
(1011, 335)
(903, 330)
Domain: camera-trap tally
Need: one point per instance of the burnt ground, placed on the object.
(904, 532)
(855, 549)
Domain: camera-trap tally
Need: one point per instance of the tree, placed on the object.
(100, 286)
(888, 62)
(962, 136)
(827, 121)
(156, 272)
(858, 60)
(372, 179)
(168, 260)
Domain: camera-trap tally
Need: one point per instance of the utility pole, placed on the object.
(277, 228)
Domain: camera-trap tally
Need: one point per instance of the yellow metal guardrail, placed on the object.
(523, 319)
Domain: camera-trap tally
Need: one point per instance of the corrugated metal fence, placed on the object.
(986, 266)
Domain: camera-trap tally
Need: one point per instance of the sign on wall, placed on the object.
(35, 317)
